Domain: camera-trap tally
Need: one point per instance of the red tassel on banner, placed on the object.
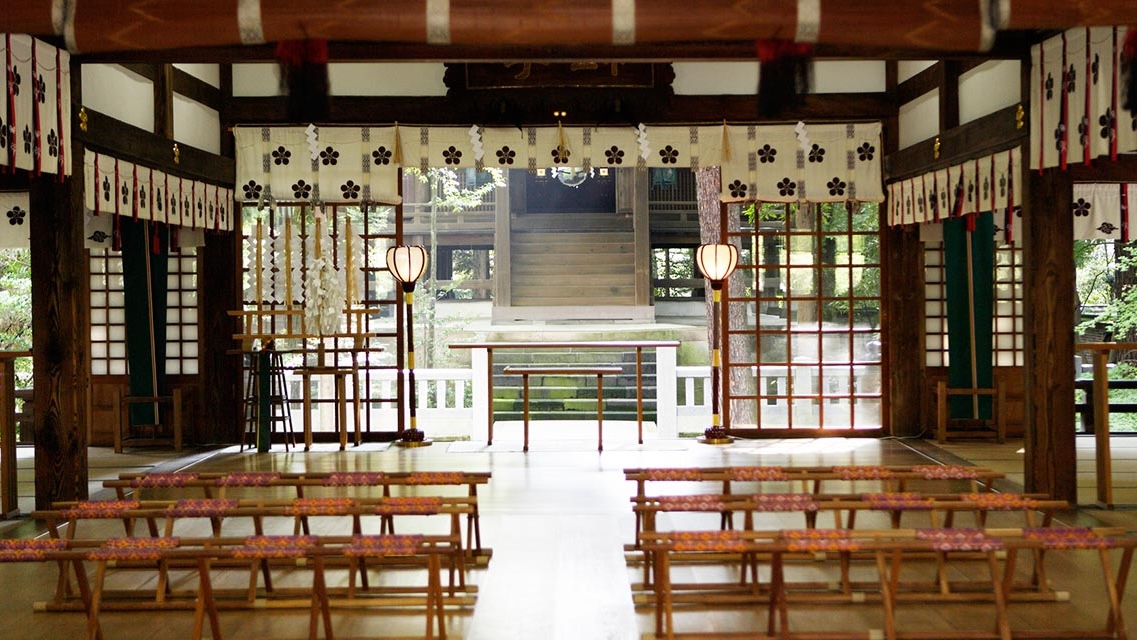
(1129, 65)
(783, 75)
(1124, 212)
(116, 237)
(304, 76)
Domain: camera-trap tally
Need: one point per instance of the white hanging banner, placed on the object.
(14, 220)
(98, 231)
(1096, 209)
(1076, 81)
(118, 187)
(292, 164)
(21, 101)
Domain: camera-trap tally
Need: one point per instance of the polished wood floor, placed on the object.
(557, 520)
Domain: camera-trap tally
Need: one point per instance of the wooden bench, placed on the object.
(813, 479)
(940, 510)
(206, 554)
(68, 515)
(890, 550)
(599, 372)
(337, 482)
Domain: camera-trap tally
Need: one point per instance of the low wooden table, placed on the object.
(341, 374)
(599, 372)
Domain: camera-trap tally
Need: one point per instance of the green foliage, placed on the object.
(16, 308)
(1096, 286)
(451, 191)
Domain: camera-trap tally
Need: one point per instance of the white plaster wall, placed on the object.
(349, 79)
(920, 119)
(118, 93)
(715, 78)
(989, 87)
(196, 125)
(849, 76)
(256, 79)
(387, 79)
(907, 68)
(208, 73)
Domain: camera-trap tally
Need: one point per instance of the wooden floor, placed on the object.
(557, 520)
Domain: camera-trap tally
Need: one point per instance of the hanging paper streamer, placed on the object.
(803, 141)
(642, 141)
(476, 144)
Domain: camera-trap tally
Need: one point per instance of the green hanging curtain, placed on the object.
(145, 256)
(970, 299)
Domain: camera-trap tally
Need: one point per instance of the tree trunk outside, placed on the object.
(707, 182)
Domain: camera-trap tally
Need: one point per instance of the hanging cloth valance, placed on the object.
(117, 187)
(35, 109)
(1101, 210)
(360, 164)
(973, 187)
(1077, 86)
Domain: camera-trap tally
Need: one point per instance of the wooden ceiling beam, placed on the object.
(123, 25)
(590, 109)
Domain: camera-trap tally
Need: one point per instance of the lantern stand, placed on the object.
(716, 262)
(407, 264)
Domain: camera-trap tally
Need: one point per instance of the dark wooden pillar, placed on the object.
(1049, 464)
(219, 276)
(903, 324)
(61, 330)
(220, 370)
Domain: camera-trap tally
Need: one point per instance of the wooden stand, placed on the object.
(942, 432)
(599, 372)
(341, 375)
(122, 430)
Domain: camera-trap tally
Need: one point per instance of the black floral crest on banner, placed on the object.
(16, 216)
(1106, 121)
(560, 154)
(787, 187)
(836, 187)
(505, 155)
(1049, 85)
(737, 189)
(52, 143)
(816, 153)
(281, 156)
(329, 157)
(1107, 228)
(668, 155)
(106, 189)
(253, 190)
(1082, 207)
(302, 190)
(865, 152)
(615, 155)
(381, 156)
(767, 154)
(350, 190)
(452, 155)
